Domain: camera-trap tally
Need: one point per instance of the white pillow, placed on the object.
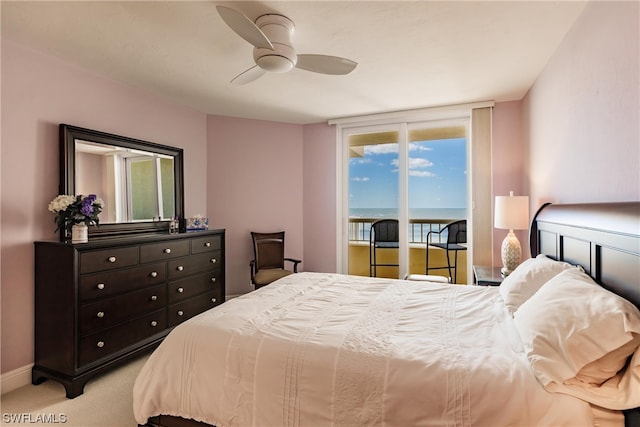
(527, 278)
(576, 334)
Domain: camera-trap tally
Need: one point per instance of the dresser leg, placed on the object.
(73, 388)
(36, 378)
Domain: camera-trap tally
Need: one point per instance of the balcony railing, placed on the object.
(360, 229)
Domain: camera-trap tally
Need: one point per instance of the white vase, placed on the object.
(79, 233)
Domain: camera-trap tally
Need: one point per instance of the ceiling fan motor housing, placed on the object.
(278, 30)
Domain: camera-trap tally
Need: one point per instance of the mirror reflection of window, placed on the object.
(142, 203)
(135, 185)
(143, 175)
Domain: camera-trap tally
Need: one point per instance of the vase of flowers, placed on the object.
(75, 214)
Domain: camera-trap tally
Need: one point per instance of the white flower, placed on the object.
(61, 203)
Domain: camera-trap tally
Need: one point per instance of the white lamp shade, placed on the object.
(512, 212)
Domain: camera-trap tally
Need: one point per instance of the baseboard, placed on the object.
(15, 379)
(228, 297)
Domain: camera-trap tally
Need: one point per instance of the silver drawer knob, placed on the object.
(213, 300)
(213, 280)
(154, 323)
(100, 286)
(180, 290)
(100, 344)
(180, 268)
(154, 274)
(154, 297)
(213, 260)
(112, 259)
(207, 244)
(100, 314)
(167, 251)
(180, 313)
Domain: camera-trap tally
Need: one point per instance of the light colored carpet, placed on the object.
(107, 401)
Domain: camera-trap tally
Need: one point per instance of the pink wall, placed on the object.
(90, 169)
(38, 93)
(581, 117)
(320, 177)
(254, 171)
(507, 158)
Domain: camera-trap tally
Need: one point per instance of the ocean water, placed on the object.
(419, 213)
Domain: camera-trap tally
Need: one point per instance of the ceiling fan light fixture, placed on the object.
(275, 63)
(279, 60)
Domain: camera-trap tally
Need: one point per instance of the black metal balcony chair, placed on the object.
(456, 241)
(384, 235)
(268, 263)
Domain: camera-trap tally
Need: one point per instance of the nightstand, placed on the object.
(487, 276)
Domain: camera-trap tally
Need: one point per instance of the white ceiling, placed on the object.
(410, 54)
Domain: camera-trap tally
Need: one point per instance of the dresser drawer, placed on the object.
(111, 311)
(109, 341)
(164, 250)
(108, 259)
(186, 288)
(206, 244)
(183, 267)
(110, 283)
(182, 311)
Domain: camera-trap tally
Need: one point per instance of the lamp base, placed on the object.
(511, 253)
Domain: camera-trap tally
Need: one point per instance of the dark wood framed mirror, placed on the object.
(140, 182)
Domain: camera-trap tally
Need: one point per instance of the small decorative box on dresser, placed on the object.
(101, 303)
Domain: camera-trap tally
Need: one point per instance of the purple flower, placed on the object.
(86, 208)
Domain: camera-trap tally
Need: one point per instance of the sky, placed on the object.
(437, 175)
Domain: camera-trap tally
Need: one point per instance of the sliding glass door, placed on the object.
(437, 193)
(414, 173)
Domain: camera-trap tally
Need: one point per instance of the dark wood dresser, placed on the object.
(101, 303)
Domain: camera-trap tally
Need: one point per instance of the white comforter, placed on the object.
(325, 349)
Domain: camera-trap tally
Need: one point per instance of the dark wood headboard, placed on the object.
(604, 238)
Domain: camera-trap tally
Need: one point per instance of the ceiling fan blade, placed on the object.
(244, 27)
(247, 76)
(325, 64)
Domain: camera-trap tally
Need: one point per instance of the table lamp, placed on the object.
(511, 213)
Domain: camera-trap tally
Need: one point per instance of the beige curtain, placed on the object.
(481, 188)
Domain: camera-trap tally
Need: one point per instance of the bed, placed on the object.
(327, 349)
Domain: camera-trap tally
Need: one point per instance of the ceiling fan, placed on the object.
(270, 35)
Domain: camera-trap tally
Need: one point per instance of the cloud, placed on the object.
(360, 178)
(416, 166)
(419, 162)
(380, 149)
(415, 146)
(361, 160)
(421, 173)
